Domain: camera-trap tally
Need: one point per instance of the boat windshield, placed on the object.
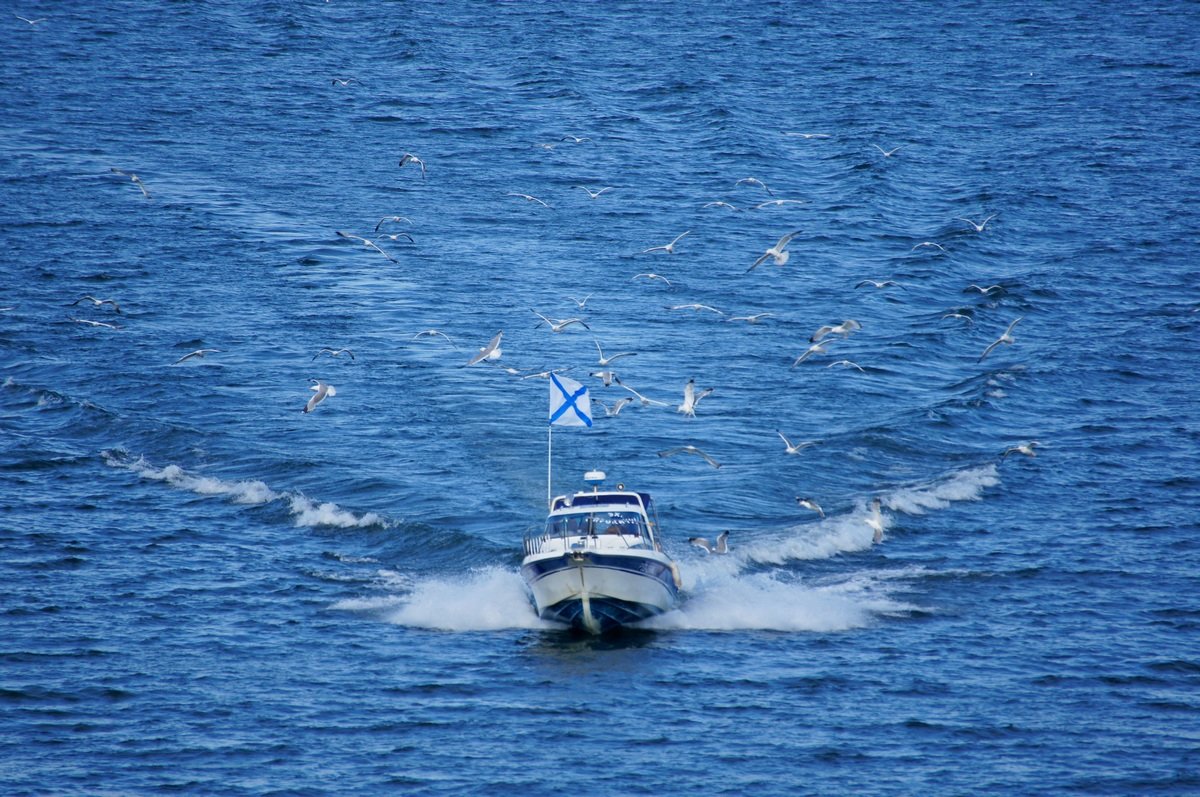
(615, 522)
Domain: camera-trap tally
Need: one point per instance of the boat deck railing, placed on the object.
(541, 542)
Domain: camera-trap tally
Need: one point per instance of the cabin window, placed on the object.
(628, 524)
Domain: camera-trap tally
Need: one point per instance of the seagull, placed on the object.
(580, 303)
(651, 277)
(1006, 339)
(722, 545)
(604, 361)
(367, 243)
(574, 139)
(94, 323)
(606, 376)
(752, 319)
(594, 194)
(30, 21)
(559, 326)
(431, 333)
(542, 374)
(755, 181)
(323, 391)
(928, 244)
(808, 503)
(778, 203)
(978, 227)
(393, 237)
(691, 399)
(816, 348)
(392, 220)
(847, 364)
(844, 329)
(778, 251)
(408, 157)
(875, 520)
(984, 291)
(133, 178)
(879, 284)
(1023, 448)
(528, 198)
(646, 402)
(808, 135)
(720, 204)
(196, 353)
(616, 407)
(887, 153)
(966, 318)
(795, 448)
(696, 307)
(337, 81)
(669, 248)
(490, 352)
(333, 352)
(97, 302)
(670, 452)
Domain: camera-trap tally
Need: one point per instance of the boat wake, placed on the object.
(303, 509)
(750, 589)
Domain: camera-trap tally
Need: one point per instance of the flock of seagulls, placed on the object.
(778, 253)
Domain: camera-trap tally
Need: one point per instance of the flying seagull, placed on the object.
(94, 323)
(490, 352)
(646, 402)
(333, 352)
(367, 243)
(669, 248)
(559, 326)
(651, 277)
(691, 399)
(322, 392)
(879, 284)
(408, 157)
(392, 220)
(196, 353)
(808, 503)
(133, 178)
(978, 227)
(844, 329)
(97, 302)
(795, 448)
(527, 198)
(755, 181)
(778, 251)
(603, 361)
(1023, 448)
(594, 194)
(670, 452)
(431, 333)
(722, 545)
(1006, 339)
(887, 153)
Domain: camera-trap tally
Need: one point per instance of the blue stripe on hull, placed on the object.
(609, 613)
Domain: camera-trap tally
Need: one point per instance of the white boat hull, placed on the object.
(596, 591)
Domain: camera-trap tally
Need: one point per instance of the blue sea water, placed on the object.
(204, 590)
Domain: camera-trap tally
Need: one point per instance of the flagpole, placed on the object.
(549, 445)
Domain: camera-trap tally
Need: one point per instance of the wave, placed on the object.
(306, 511)
(849, 532)
(488, 599)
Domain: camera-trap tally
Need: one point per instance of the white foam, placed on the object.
(762, 602)
(488, 599)
(964, 485)
(254, 492)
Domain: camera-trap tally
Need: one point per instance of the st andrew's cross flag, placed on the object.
(570, 403)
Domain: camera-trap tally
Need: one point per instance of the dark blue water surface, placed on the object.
(205, 590)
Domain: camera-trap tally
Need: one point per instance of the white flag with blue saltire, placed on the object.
(570, 403)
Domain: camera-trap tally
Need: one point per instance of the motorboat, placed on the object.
(599, 564)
